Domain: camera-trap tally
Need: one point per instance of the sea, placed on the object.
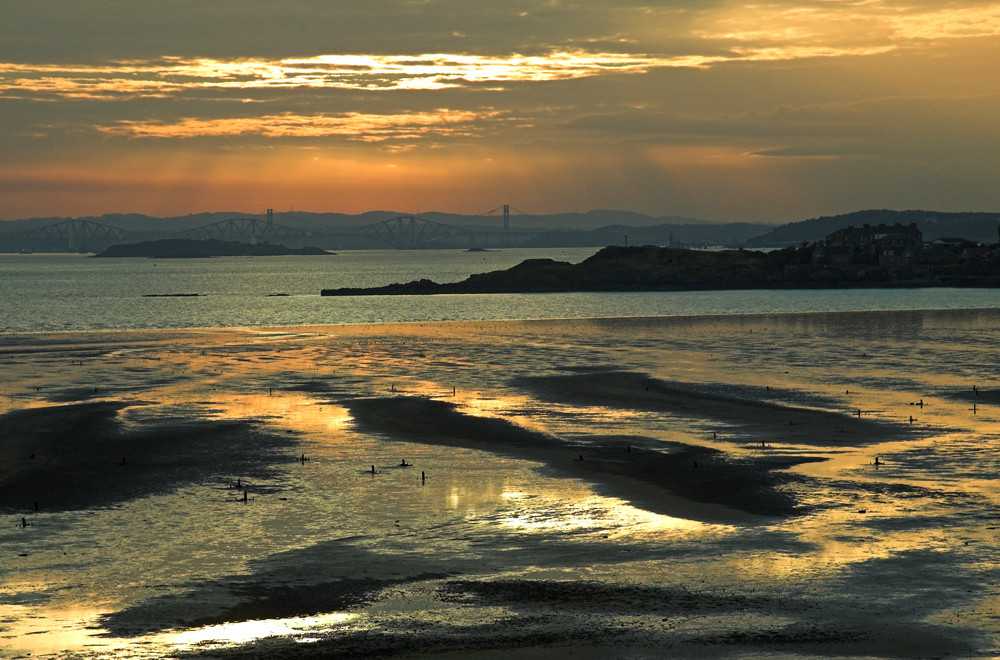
(348, 554)
(74, 292)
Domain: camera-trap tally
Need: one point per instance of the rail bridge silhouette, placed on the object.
(403, 232)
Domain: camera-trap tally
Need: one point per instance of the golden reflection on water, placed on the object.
(41, 634)
(612, 515)
(241, 632)
(49, 635)
(292, 382)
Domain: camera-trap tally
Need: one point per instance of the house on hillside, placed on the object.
(881, 244)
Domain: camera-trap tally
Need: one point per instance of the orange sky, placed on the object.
(717, 110)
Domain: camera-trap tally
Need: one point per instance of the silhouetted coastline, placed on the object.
(651, 268)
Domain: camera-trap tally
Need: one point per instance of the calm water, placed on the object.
(73, 292)
(911, 545)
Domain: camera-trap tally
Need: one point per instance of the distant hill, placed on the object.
(729, 234)
(979, 227)
(304, 219)
(329, 230)
(597, 228)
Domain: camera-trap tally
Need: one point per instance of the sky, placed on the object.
(719, 110)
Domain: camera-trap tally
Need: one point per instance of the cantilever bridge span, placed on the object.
(69, 236)
(244, 230)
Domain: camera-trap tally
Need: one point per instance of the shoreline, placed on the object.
(430, 288)
(938, 314)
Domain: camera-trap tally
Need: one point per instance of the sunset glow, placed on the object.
(602, 98)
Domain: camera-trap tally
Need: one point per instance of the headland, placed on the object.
(652, 268)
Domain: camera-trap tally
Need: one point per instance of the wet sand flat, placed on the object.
(628, 488)
(78, 456)
(680, 480)
(756, 414)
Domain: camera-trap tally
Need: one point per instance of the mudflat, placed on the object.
(632, 487)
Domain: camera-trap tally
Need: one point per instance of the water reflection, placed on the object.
(225, 635)
(929, 508)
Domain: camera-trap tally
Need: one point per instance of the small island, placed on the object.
(183, 248)
(651, 268)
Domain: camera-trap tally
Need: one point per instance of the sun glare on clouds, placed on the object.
(173, 75)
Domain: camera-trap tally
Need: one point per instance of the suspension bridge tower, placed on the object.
(506, 224)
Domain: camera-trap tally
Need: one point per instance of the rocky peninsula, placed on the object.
(651, 268)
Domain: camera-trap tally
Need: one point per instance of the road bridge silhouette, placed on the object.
(403, 232)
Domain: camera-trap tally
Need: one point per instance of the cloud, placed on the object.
(827, 24)
(352, 126)
(174, 75)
